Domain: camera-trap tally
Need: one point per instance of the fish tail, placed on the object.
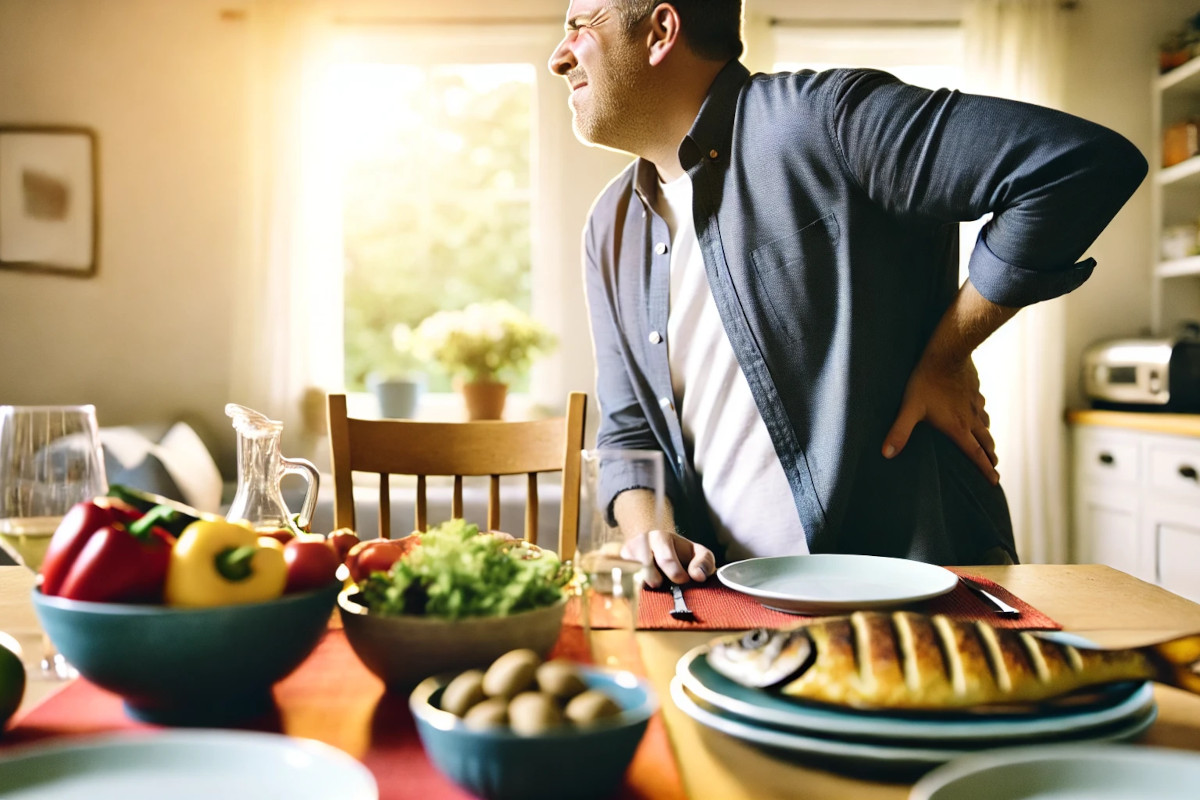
(1178, 661)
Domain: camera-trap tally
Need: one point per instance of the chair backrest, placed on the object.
(484, 448)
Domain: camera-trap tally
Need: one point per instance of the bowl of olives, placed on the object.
(531, 729)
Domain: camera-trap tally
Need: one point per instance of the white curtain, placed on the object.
(290, 298)
(1016, 49)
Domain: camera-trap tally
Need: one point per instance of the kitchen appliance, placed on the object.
(1145, 374)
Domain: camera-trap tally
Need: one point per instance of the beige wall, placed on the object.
(163, 82)
(1112, 61)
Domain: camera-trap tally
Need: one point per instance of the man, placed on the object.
(772, 286)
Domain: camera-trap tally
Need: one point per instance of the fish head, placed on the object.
(761, 657)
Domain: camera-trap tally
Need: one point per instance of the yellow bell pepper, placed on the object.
(216, 563)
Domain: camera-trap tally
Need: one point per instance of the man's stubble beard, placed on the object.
(620, 115)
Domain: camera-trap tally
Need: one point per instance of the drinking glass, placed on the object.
(50, 459)
(612, 579)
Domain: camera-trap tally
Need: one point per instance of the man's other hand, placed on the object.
(680, 560)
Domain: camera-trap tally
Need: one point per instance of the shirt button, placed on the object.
(713, 154)
(655, 337)
(660, 248)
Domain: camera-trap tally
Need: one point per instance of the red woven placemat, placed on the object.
(717, 607)
(332, 697)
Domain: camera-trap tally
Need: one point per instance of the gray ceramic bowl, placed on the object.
(403, 650)
(183, 666)
(578, 762)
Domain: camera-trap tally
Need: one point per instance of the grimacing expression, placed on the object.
(605, 68)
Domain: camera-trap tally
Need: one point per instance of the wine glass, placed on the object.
(613, 579)
(50, 459)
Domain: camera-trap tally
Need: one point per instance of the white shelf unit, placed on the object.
(1175, 291)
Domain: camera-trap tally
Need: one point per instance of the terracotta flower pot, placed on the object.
(485, 399)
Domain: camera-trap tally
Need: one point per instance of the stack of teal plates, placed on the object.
(892, 740)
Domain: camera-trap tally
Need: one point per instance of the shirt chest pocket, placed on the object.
(795, 279)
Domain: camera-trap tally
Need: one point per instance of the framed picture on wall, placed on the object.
(48, 199)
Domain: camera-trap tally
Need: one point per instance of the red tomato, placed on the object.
(310, 565)
(377, 555)
(282, 535)
(341, 541)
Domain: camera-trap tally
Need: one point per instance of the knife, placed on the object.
(999, 606)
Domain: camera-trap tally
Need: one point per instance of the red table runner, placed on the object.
(332, 697)
(717, 607)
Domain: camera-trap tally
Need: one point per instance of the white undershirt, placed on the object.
(749, 499)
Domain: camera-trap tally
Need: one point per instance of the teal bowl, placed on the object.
(582, 763)
(188, 666)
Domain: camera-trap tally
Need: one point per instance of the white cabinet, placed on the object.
(1137, 504)
(1176, 201)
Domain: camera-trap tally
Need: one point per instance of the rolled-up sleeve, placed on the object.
(1051, 181)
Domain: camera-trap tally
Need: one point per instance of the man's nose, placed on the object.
(562, 60)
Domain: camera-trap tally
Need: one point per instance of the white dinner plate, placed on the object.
(893, 755)
(184, 765)
(831, 583)
(761, 706)
(1065, 772)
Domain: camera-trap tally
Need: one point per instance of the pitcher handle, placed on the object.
(306, 469)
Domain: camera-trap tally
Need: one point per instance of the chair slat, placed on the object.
(422, 511)
(456, 504)
(531, 509)
(493, 510)
(385, 508)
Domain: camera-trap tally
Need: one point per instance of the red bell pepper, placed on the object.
(80, 522)
(122, 563)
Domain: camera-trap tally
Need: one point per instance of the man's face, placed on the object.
(605, 68)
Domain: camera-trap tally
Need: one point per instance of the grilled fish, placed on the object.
(910, 661)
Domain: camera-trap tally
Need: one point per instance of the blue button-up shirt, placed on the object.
(826, 207)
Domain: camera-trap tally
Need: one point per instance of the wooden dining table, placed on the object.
(1098, 602)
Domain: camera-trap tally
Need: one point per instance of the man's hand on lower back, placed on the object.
(668, 554)
(948, 398)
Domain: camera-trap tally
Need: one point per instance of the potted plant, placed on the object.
(484, 346)
(398, 381)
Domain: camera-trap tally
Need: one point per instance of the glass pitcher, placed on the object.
(260, 467)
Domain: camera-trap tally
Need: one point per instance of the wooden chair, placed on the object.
(458, 449)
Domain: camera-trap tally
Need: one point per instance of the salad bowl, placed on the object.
(407, 648)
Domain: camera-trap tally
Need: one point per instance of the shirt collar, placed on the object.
(712, 130)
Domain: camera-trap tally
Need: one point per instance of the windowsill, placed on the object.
(448, 407)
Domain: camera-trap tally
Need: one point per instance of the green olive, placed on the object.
(491, 713)
(463, 692)
(532, 713)
(560, 678)
(590, 706)
(511, 673)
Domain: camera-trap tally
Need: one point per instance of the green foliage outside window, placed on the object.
(436, 191)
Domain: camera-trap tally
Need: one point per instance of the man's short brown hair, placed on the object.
(711, 28)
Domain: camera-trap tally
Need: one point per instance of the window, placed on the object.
(460, 179)
(436, 196)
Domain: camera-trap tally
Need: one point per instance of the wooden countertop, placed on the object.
(1149, 421)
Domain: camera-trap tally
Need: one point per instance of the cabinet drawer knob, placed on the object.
(1107, 459)
(1188, 471)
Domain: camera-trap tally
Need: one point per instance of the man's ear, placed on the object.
(664, 32)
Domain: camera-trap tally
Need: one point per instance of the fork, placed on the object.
(680, 610)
